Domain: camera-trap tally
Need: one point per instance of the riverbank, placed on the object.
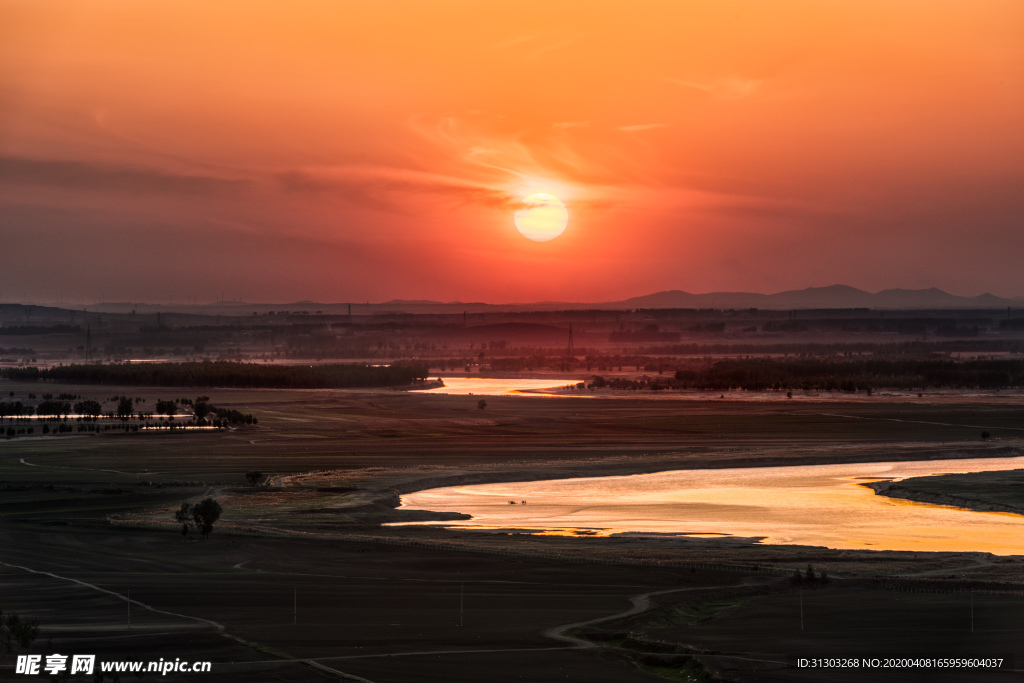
(1001, 491)
(377, 500)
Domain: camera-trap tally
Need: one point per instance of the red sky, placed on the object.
(350, 151)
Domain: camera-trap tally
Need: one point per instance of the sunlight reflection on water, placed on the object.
(822, 505)
(485, 386)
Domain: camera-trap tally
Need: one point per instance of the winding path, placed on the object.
(84, 469)
(216, 625)
(640, 602)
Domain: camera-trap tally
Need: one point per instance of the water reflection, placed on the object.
(485, 386)
(822, 505)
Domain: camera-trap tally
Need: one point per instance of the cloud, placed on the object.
(571, 124)
(80, 175)
(387, 189)
(642, 126)
(486, 155)
(731, 88)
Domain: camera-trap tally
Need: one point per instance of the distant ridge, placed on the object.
(830, 297)
(833, 296)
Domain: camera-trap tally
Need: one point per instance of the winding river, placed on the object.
(486, 386)
(820, 505)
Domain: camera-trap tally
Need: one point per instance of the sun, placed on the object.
(542, 218)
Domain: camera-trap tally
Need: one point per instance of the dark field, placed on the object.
(333, 459)
(759, 637)
(354, 601)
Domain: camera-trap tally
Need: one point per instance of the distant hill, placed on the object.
(831, 297)
(834, 296)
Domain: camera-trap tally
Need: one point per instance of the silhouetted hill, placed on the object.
(831, 297)
(834, 296)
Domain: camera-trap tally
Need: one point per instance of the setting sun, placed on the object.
(543, 218)
(773, 375)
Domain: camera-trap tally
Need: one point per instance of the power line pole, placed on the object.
(129, 608)
(801, 610)
(462, 601)
(295, 607)
(972, 611)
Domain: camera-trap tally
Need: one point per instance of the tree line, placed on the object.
(15, 351)
(227, 374)
(906, 348)
(88, 414)
(40, 329)
(779, 374)
(837, 375)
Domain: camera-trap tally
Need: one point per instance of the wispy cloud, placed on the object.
(81, 175)
(642, 126)
(385, 188)
(731, 88)
(486, 155)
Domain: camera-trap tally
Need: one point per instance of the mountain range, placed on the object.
(831, 297)
(834, 296)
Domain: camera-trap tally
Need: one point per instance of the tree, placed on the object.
(253, 477)
(481, 404)
(201, 408)
(16, 632)
(985, 436)
(53, 408)
(125, 407)
(168, 408)
(88, 408)
(205, 513)
(183, 515)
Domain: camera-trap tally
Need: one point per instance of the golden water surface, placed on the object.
(486, 386)
(822, 505)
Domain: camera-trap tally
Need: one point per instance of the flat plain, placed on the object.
(299, 581)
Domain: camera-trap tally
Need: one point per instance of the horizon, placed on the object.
(353, 153)
(824, 290)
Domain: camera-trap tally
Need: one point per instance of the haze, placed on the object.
(368, 151)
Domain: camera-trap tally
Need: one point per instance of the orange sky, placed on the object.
(346, 151)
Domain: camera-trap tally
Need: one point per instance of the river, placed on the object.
(821, 505)
(486, 386)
